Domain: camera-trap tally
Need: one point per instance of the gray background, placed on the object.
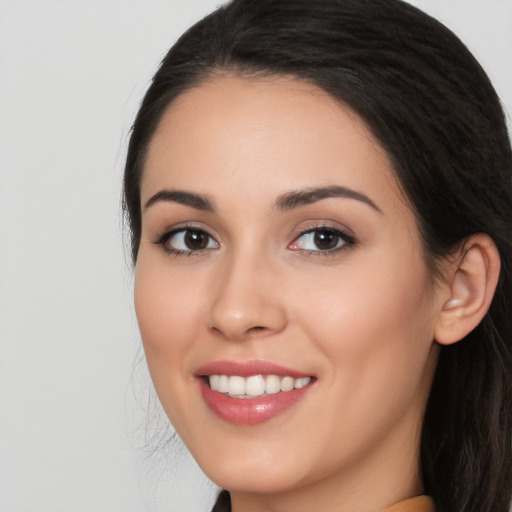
(72, 397)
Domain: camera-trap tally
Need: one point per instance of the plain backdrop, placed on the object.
(73, 392)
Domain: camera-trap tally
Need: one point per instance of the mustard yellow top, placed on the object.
(418, 504)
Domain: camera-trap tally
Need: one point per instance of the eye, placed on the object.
(186, 241)
(323, 239)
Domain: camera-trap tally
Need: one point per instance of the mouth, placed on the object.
(254, 386)
(251, 392)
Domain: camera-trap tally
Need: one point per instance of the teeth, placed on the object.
(273, 384)
(300, 383)
(236, 385)
(214, 381)
(255, 385)
(223, 384)
(287, 384)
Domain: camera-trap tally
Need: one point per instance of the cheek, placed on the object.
(375, 324)
(377, 337)
(377, 298)
(167, 309)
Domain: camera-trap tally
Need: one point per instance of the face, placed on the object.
(285, 308)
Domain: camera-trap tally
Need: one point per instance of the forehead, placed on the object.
(263, 135)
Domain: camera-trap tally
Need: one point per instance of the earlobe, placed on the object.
(472, 281)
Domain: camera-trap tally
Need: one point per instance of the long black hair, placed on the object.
(433, 109)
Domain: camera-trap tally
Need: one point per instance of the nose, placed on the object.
(245, 301)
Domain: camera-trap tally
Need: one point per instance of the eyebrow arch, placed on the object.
(197, 201)
(299, 198)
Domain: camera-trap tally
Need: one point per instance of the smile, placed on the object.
(237, 386)
(251, 392)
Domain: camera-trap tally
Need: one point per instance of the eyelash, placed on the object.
(162, 241)
(344, 241)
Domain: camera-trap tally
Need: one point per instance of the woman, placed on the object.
(319, 195)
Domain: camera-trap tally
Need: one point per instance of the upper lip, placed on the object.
(247, 368)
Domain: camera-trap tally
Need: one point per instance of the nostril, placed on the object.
(257, 328)
(256, 332)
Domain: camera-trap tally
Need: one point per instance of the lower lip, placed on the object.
(250, 411)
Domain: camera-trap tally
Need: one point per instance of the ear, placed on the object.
(470, 283)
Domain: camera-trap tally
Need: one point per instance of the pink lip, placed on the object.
(248, 411)
(247, 368)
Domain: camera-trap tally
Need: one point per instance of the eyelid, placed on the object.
(168, 233)
(345, 234)
(169, 230)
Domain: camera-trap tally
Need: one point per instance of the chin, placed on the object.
(255, 480)
(251, 471)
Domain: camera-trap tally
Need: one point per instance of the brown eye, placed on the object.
(187, 241)
(196, 240)
(322, 240)
(326, 240)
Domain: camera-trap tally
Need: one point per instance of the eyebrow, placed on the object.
(197, 201)
(285, 202)
(295, 199)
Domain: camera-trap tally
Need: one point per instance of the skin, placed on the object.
(361, 319)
